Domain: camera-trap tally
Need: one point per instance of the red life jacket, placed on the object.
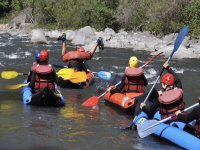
(170, 102)
(197, 128)
(72, 55)
(43, 78)
(134, 81)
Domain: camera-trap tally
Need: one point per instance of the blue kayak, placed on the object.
(45, 97)
(172, 132)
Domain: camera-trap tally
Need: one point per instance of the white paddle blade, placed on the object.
(141, 128)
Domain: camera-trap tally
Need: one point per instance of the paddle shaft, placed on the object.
(168, 118)
(151, 59)
(23, 74)
(106, 91)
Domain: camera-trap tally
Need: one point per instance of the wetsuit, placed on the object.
(192, 115)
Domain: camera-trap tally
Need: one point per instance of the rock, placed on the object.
(38, 36)
(24, 19)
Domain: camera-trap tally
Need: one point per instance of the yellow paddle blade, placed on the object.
(74, 77)
(17, 86)
(65, 71)
(9, 74)
(77, 77)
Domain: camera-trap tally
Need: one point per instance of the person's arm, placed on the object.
(186, 118)
(119, 87)
(98, 43)
(145, 80)
(63, 48)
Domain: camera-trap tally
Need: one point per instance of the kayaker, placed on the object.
(133, 79)
(75, 59)
(42, 74)
(169, 99)
(189, 117)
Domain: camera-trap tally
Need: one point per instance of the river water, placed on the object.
(74, 126)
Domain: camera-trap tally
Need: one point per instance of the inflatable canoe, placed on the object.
(44, 98)
(172, 132)
(126, 102)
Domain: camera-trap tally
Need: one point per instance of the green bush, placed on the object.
(191, 16)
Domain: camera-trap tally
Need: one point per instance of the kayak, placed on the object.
(172, 132)
(43, 98)
(125, 102)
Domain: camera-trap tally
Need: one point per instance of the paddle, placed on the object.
(17, 86)
(66, 73)
(11, 74)
(70, 74)
(150, 126)
(178, 41)
(93, 101)
(102, 74)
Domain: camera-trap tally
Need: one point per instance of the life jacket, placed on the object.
(43, 78)
(197, 128)
(34, 66)
(134, 81)
(170, 102)
(73, 55)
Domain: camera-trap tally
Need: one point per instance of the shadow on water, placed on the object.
(75, 126)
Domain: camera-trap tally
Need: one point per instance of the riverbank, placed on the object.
(190, 48)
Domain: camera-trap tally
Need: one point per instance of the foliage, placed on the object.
(158, 16)
(191, 16)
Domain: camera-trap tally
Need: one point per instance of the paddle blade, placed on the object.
(141, 128)
(184, 31)
(104, 75)
(17, 86)
(9, 74)
(77, 77)
(65, 71)
(92, 101)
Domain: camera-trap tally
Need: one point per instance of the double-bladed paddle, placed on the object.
(65, 73)
(102, 74)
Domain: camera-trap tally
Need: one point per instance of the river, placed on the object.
(74, 126)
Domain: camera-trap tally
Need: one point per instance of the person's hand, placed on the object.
(100, 43)
(62, 37)
(142, 105)
(110, 88)
(177, 112)
(166, 65)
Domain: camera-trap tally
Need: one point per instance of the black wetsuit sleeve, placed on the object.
(150, 110)
(29, 76)
(188, 117)
(32, 79)
(119, 87)
(178, 83)
(145, 80)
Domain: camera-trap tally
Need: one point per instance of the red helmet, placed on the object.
(168, 79)
(44, 55)
(81, 49)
